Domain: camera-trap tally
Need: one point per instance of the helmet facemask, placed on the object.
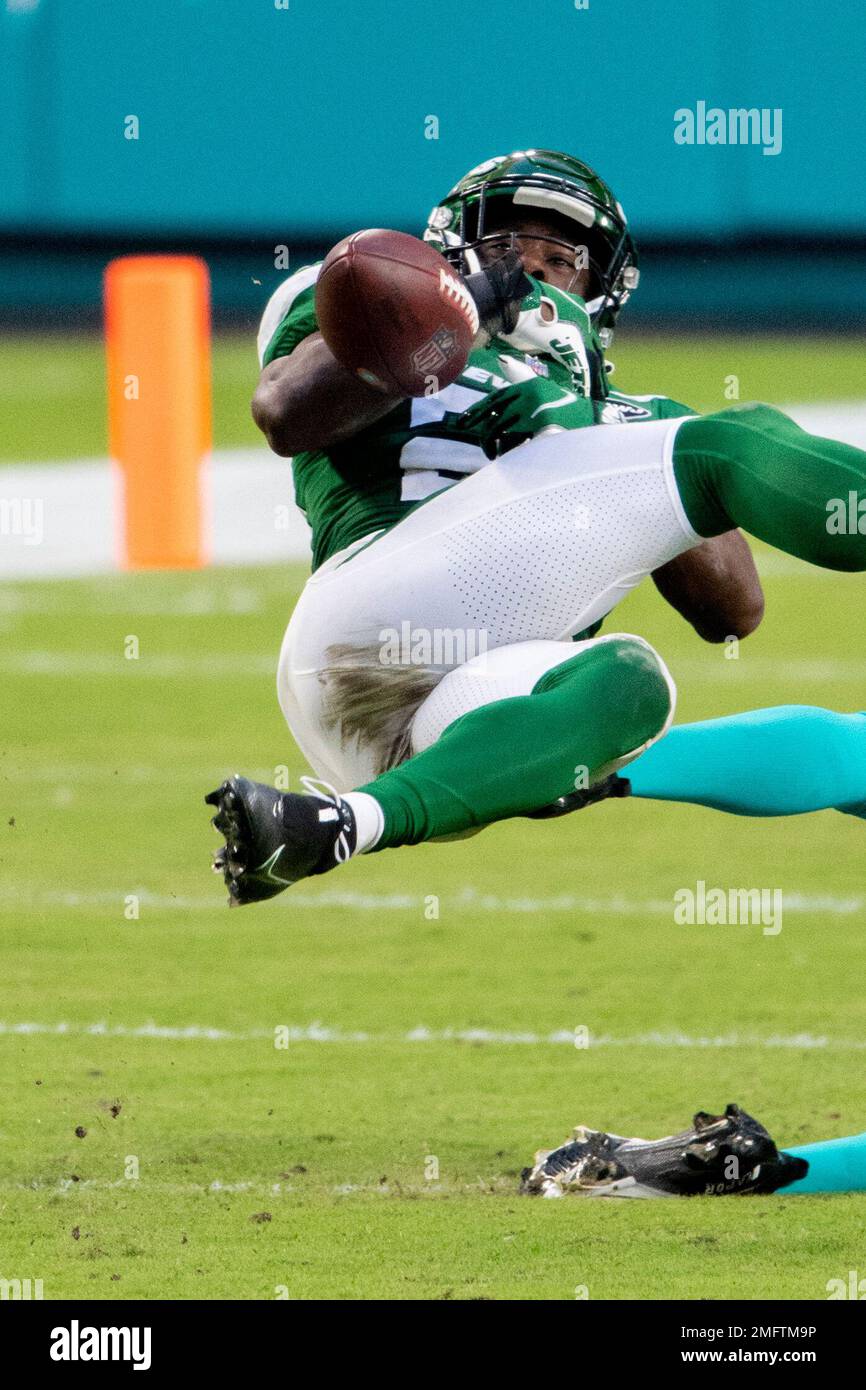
(476, 214)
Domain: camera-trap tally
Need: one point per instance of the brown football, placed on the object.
(394, 311)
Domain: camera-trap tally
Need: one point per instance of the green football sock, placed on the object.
(753, 467)
(519, 754)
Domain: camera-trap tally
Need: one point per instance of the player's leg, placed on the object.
(783, 761)
(753, 467)
(515, 729)
(835, 1165)
(505, 734)
(537, 546)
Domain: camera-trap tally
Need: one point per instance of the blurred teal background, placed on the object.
(259, 123)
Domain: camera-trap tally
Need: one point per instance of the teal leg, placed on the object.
(835, 1165)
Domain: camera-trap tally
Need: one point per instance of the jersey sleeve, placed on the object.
(290, 315)
(672, 410)
(637, 408)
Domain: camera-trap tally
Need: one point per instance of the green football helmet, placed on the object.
(546, 182)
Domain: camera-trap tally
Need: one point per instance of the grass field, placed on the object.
(52, 387)
(422, 1044)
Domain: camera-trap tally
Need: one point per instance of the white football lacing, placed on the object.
(342, 848)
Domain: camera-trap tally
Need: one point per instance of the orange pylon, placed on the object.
(157, 334)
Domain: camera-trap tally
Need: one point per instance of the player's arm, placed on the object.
(715, 587)
(309, 397)
(308, 400)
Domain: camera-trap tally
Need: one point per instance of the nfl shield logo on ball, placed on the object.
(436, 351)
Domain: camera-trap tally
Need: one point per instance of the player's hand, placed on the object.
(509, 417)
(499, 290)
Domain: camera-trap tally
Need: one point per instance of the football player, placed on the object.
(493, 531)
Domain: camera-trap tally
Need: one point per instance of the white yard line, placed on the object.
(156, 665)
(258, 1186)
(321, 1034)
(14, 899)
(713, 668)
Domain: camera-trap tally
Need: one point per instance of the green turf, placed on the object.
(52, 395)
(52, 391)
(308, 1168)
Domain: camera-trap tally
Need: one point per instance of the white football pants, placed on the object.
(523, 554)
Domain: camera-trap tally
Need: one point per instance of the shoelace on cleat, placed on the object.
(342, 848)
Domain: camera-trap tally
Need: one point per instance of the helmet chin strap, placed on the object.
(595, 307)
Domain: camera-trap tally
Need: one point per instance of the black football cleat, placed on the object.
(274, 838)
(577, 800)
(721, 1155)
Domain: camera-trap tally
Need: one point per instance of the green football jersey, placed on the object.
(369, 482)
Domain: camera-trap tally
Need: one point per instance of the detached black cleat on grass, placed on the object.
(274, 838)
(721, 1155)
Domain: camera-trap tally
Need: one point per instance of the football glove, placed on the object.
(516, 413)
(721, 1156)
(499, 290)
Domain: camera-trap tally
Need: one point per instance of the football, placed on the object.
(393, 310)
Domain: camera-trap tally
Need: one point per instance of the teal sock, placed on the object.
(835, 1165)
(767, 762)
(519, 754)
(752, 466)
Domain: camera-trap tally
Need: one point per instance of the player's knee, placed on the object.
(640, 688)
